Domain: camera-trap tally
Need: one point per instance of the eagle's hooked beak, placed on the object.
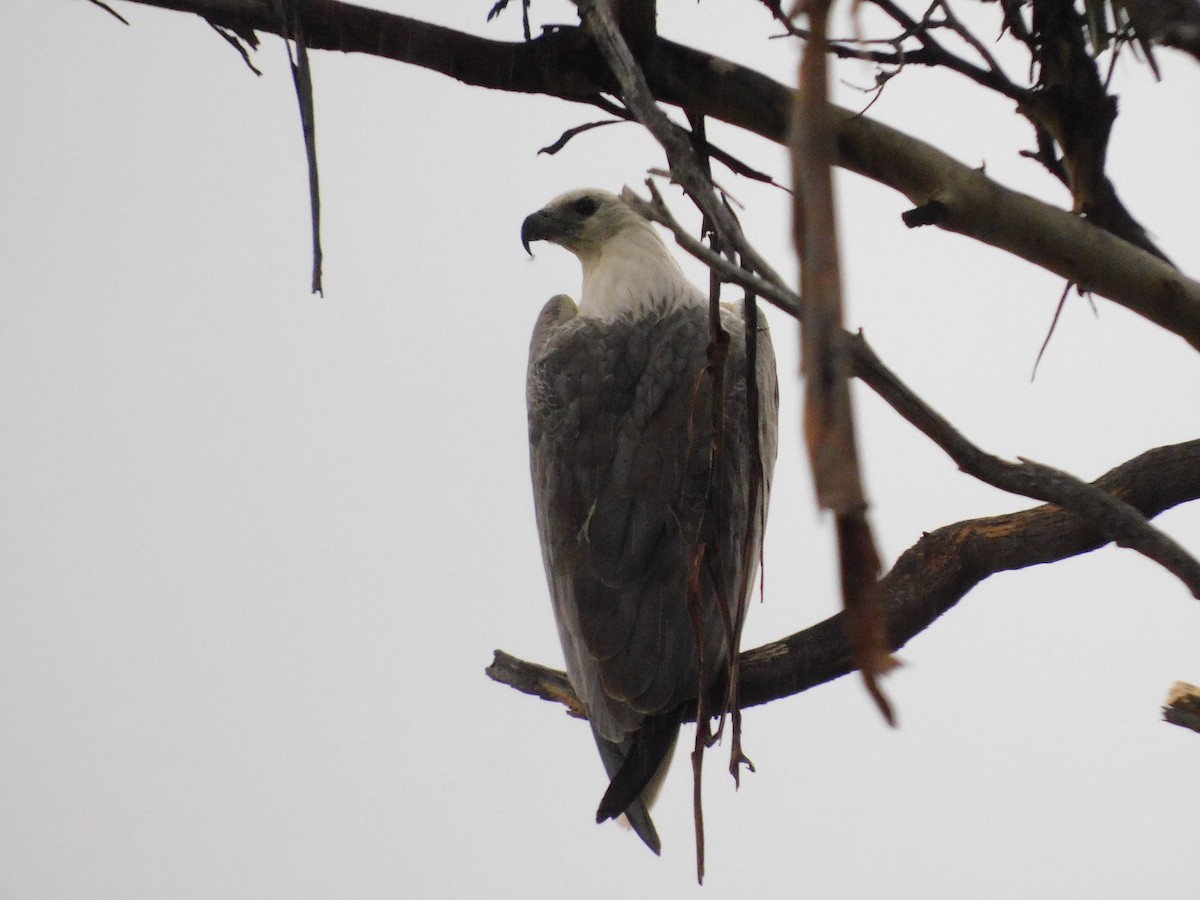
(538, 226)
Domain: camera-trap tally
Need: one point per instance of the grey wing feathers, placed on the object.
(620, 443)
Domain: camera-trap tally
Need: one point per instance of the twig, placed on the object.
(566, 136)
(731, 162)
(235, 41)
(1117, 520)
(1172, 23)
(108, 9)
(934, 53)
(752, 557)
(1108, 515)
(955, 24)
(1062, 302)
(499, 7)
(686, 170)
(769, 287)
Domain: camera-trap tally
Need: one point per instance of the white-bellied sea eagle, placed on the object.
(620, 442)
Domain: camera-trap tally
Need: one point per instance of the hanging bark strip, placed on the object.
(825, 367)
(302, 77)
(733, 609)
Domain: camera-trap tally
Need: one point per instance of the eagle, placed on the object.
(649, 548)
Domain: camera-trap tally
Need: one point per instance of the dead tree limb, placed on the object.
(930, 578)
(563, 62)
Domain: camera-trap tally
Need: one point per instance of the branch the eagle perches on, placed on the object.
(928, 579)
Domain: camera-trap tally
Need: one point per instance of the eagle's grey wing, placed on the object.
(549, 410)
(620, 438)
(562, 394)
(659, 499)
(741, 539)
(619, 448)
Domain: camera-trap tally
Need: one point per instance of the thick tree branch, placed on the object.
(930, 578)
(563, 63)
(957, 198)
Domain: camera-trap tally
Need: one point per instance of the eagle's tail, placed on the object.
(636, 769)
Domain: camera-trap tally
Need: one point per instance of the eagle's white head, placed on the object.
(627, 269)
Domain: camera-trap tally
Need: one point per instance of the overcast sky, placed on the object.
(257, 547)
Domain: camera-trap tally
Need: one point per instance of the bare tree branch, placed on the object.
(933, 53)
(108, 9)
(770, 287)
(563, 63)
(1118, 520)
(931, 577)
(235, 41)
(966, 201)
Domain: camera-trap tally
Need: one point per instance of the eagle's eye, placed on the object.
(585, 206)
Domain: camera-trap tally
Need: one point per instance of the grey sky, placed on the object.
(256, 547)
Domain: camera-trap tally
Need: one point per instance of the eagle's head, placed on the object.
(581, 221)
(627, 269)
